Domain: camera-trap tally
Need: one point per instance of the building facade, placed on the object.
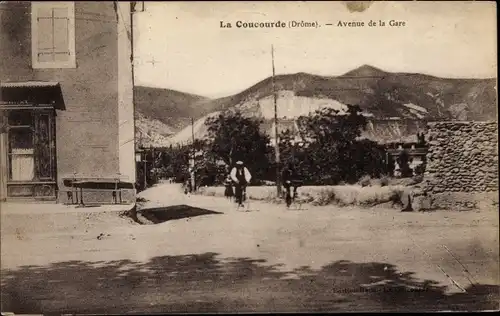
(66, 97)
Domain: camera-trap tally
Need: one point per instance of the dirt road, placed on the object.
(269, 259)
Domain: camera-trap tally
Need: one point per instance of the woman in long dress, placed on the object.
(228, 183)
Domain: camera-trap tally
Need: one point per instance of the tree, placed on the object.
(368, 158)
(287, 148)
(328, 126)
(205, 167)
(234, 137)
(332, 136)
(174, 162)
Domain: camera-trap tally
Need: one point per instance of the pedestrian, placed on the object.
(290, 180)
(241, 178)
(228, 184)
(188, 188)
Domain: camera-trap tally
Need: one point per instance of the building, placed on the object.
(66, 98)
(416, 151)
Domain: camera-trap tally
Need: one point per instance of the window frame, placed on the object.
(71, 63)
(11, 154)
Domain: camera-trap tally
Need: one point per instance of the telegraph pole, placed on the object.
(153, 163)
(294, 132)
(193, 179)
(132, 70)
(276, 136)
(192, 130)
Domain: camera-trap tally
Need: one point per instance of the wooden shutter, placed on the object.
(45, 34)
(61, 34)
(53, 34)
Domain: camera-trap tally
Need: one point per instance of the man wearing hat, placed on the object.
(241, 177)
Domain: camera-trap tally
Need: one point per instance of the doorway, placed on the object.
(30, 161)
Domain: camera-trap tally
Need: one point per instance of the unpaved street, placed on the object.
(269, 259)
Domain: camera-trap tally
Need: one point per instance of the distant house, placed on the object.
(417, 151)
(66, 107)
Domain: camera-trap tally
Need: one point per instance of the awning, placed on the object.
(32, 93)
(29, 84)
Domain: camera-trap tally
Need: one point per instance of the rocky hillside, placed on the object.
(397, 104)
(150, 132)
(380, 94)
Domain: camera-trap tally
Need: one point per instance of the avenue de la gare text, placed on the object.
(309, 24)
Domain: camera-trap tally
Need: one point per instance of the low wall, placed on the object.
(340, 195)
(462, 163)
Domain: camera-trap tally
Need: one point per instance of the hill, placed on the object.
(389, 100)
(171, 107)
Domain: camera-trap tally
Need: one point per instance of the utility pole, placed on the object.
(132, 9)
(276, 136)
(293, 142)
(192, 130)
(153, 166)
(145, 170)
(193, 175)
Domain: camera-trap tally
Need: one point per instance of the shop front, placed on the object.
(28, 140)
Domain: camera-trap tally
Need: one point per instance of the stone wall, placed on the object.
(462, 163)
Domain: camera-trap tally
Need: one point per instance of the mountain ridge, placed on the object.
(382, 95)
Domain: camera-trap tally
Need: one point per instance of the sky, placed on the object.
(180, 45)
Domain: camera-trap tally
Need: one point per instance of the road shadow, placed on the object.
(163, 214)
(158, 215)
(208, 283)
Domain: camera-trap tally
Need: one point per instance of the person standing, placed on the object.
(228, 184)
(187, 187)
(241, 178)
(290, 180)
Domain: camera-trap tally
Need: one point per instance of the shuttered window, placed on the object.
(53, 35)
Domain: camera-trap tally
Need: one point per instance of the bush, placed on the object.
(365, 181)
(417, 179)
(384, 181)
(420, 169)
(396, 197)
(209, 193)
(324, 197)
(365, 196)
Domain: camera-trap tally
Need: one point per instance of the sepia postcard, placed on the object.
(248, 156)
